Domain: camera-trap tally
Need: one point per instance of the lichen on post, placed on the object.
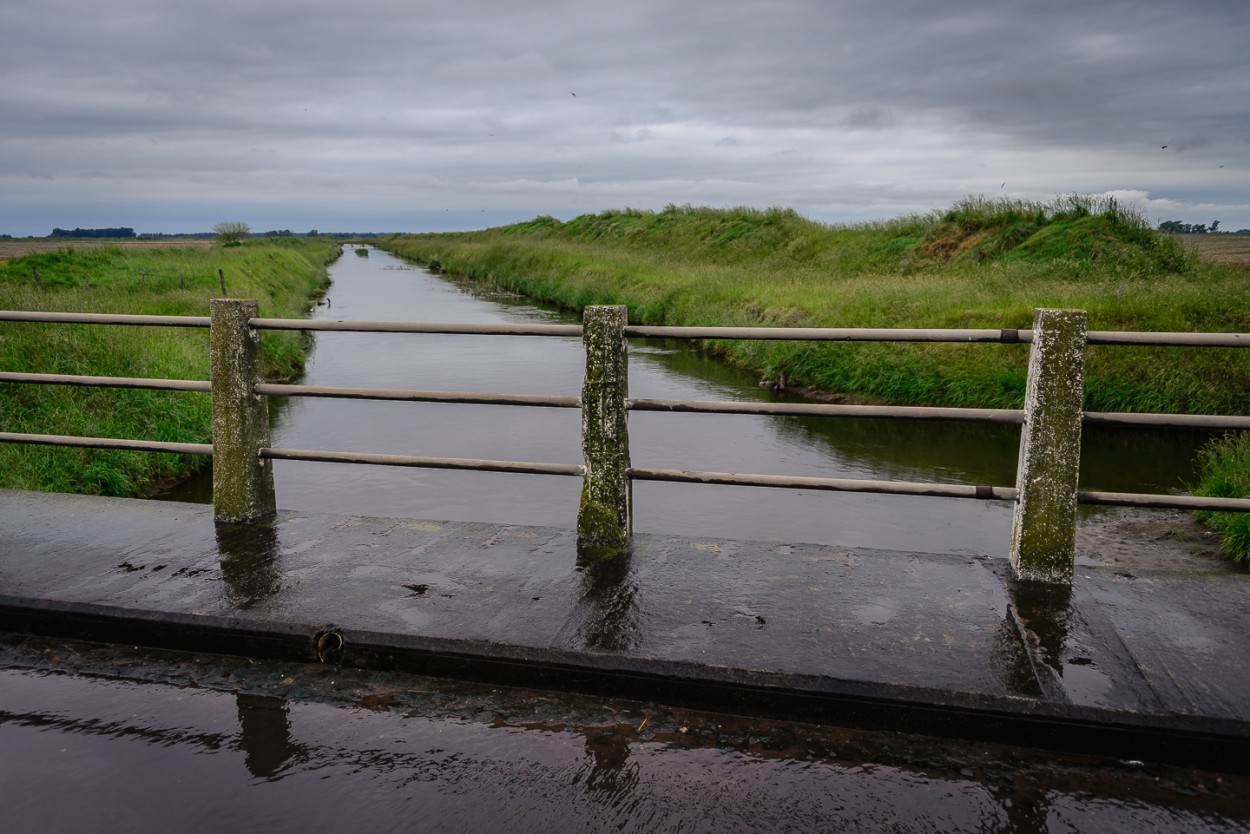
(1043, 530)
(242, 482)
(605, 517)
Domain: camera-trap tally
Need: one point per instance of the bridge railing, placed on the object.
(1045, 495)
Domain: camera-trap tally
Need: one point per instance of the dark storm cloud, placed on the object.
(394, 115)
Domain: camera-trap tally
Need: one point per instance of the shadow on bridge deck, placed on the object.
(1146, 666)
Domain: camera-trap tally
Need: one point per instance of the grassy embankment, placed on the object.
(280, 274)
(979, 264)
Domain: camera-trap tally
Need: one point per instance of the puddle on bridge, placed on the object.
(110, 739)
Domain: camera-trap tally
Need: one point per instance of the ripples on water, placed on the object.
(343, 751)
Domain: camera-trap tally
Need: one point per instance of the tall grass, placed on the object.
(281, 275)
(1226, 474)
(979, 264)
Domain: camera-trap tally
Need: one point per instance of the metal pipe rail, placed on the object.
(108, 443)
(198, 385)
(979, 492)
(519, 467)
(407, 395)
(330, 325)
(1015, 416)
(841, 334)
(105, 318)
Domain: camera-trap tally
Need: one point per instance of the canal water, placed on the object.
(379, 286)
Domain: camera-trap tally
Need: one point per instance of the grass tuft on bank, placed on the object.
(981, 263)
(281, 274)
(1226, 471)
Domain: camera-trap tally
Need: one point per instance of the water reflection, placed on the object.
(265, 734)
(420, 752)
(611, 773)
(250, 561)
(607, 615)
(1041, 616)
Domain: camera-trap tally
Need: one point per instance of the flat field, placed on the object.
(18, 248)
(1225, 249)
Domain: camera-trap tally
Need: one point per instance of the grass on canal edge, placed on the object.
(282, 274)
(979, 264)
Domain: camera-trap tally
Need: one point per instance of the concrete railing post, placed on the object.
(242, 482)
(1043, 529)
(605, 517)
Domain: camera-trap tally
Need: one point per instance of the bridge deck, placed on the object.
(1137, 666)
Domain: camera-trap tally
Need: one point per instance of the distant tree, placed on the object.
(231, 231)
(1215, 226)
(313, 233)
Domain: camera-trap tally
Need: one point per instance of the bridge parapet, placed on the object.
(1046, 493)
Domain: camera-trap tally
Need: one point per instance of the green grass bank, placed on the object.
(980, 263)
(282, 274)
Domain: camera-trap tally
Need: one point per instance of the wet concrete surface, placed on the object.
(1144, 665)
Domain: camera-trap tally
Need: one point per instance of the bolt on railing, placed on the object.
(1045, 496)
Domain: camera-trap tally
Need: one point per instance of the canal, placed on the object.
(126, 739)
(379, 286)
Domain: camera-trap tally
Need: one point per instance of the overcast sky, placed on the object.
(381, 115)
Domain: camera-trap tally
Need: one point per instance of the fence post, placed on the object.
(605, 517)
(242, 481)
(1043, 528)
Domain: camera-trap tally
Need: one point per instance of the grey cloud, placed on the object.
(895, 104)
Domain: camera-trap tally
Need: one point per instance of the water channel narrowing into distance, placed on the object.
(382, 286)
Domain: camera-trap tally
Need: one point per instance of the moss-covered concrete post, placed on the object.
(605, 519)
(242, 482)
(1043, 529)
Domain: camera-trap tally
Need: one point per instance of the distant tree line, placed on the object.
(119, 231)
(127, 232)
(1176, 227)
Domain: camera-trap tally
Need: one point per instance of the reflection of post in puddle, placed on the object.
(610, 774)
(249, 561)
(1040, 614)
(1025, 803)
(608, 607)
(264, 734)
